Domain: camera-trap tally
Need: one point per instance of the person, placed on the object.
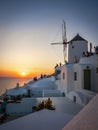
(90, 47)
(0, 108)
(60, 64)
(87, 54)
(41, 76)
(84, 54)
(4, 103)
(56, 66)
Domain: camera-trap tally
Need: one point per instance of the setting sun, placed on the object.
(23, 74)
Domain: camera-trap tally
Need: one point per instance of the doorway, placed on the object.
(87, 79)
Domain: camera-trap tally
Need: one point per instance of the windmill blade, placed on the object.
(60, 43)
(65, 45)
(64, 42)
(64, 31)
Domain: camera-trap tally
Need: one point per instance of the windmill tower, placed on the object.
(64, 42)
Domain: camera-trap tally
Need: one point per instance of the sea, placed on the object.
(10, 82)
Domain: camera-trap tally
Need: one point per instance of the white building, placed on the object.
(79, 75)
(44, 88)
(75, 48)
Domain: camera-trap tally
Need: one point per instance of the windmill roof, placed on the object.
(78, 38)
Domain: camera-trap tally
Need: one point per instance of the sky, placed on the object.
(28, 27)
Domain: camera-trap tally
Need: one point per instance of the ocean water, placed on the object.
(7, 83)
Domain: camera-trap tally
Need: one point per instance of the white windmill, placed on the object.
(64, 43)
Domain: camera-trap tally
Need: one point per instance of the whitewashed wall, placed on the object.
(63, 82)
(76, 48)
(21, 108)
(82, 97)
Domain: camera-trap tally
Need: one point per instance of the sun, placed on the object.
(23, 74)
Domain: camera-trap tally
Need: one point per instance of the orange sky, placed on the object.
(20, 56)
(24, 73)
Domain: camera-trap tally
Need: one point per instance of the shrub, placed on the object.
(44, 104)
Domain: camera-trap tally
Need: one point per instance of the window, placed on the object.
(72, 46)
(97, 70)
(63, 75)
(75, 75)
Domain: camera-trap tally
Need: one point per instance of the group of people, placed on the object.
(87, 54)
(60, 64)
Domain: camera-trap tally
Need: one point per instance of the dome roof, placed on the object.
(45, 83)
